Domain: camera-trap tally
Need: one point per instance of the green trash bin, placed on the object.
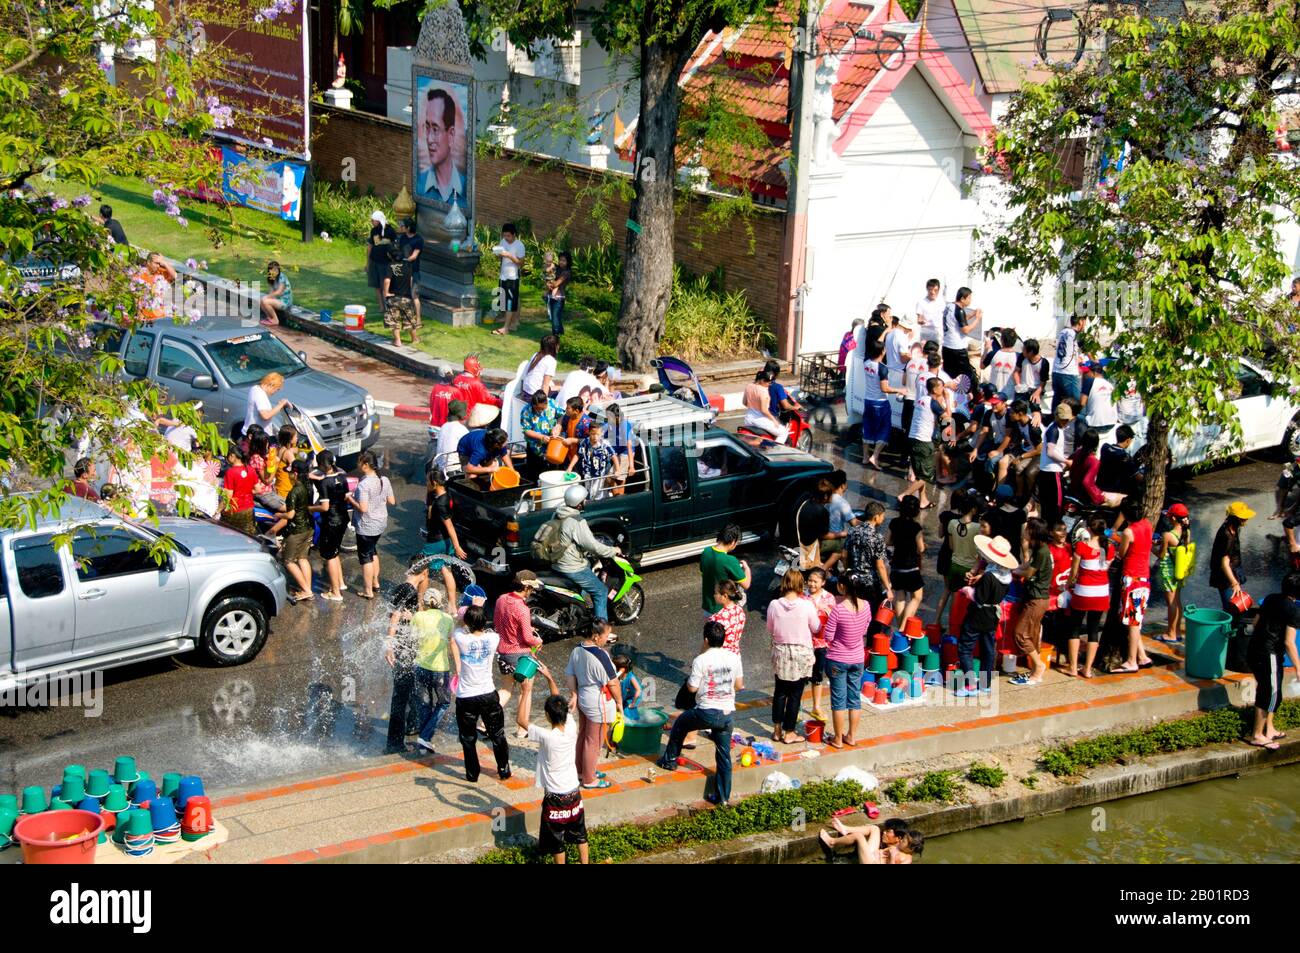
(1206, 641)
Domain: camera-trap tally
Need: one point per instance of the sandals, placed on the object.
(600, 784)
(1124, 670)
(1266, 745)
(500, 332)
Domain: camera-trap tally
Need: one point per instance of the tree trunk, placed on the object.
(1157, 448)
(648, 260)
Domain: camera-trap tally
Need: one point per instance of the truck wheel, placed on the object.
(1291, 439)
(234, 631)
(628, 609)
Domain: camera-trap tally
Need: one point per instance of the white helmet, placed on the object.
(575, 496)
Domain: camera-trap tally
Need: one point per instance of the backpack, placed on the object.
(549, 543)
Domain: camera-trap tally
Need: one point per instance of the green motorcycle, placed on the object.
(561, 609)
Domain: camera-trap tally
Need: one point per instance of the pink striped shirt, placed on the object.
(845, 632)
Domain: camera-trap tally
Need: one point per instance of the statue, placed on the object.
(823, 111)
(340, 74)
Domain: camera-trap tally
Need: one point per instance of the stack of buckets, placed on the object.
(127, 800)
(901, 662)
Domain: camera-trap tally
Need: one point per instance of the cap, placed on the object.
(997, 400)
(1178, 511)
(301, 466)
(527, 579)
(1240, 510)
(1063, 412)
(472, 364)
(1006, 492)
(457, 409)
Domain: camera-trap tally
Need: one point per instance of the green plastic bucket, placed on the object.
(1206, 641)
(644, 734)
(525, 668)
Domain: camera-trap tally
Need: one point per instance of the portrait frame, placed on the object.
(461, 87)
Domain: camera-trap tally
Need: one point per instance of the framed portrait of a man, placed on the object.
(443, 139)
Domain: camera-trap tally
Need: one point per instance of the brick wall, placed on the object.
(381, 149)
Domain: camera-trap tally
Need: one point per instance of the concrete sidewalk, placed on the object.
(409, 807)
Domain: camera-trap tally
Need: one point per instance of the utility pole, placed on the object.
(803, 63)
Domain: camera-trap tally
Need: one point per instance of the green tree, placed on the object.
(61, 117)
(659, 36)
(1191, 217)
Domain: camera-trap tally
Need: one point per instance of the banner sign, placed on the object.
(274, 187)
(265, 80)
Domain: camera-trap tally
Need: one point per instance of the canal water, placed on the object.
(1252, 819)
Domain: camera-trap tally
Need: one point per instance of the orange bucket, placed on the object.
(884, 615)
(812, 731)
(59, 837)
(556, 451)
(913, 627)
(505, 478)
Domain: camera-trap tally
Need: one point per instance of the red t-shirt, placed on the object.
(1062, 558)
(239, 483)
(1137, 560)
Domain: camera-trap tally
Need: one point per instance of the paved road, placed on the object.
(315, 701)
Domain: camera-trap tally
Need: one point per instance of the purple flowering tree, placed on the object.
(1181, 208)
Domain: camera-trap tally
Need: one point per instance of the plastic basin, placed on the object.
(644, 733)
(59, 837)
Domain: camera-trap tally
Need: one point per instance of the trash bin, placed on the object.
(1206, 641)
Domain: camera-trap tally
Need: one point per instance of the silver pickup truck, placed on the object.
(101, 600)
(217, 361)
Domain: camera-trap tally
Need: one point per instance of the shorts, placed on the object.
(906, 580)
(1267, 669)
(846, 685)
(922, 460)
(1029, 628)
(833, 544)
(875, 421)
(331, 538)
(367, 548)
(819, 666)
(507, 661)
(375, 272)
(957, 577)
(399, 313)
(1137, 593)
(296, 546)
(509, 294)
(563, 822)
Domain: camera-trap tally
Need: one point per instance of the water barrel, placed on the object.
(553, 484)
(1206, 641)
(354, 318)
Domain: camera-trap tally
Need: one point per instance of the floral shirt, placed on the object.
(543, 422)
(864, 545)
(594, 461)
(732, 618)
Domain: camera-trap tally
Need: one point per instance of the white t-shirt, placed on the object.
(574, 382)
(898, 345)
(1067, 353)
(953, 336)
(1101, 407)
(713, 676)
(258, 401)
(1001, 369)
(872, 390)
(545, 367)
(477, 651)
(1131, 408)
(1031, 372)
(929, 318)
(915, 368)
(509, 270)
(923, 419)
(1053, 435)
(181, 437)
(557, 763)
(448, 438)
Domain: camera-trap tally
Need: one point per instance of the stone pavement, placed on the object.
(409, 807)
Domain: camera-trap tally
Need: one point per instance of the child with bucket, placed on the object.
(562, 822)
(989, 582)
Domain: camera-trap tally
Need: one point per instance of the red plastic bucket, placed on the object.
(884, 615)
(59, 837)
(935, 632)
(812, 730)
(912, 628)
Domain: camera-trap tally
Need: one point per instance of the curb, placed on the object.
(386, 408)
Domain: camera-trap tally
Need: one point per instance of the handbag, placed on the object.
(811, 554)
(685, 699)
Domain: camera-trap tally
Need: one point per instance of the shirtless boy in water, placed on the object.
(891, 843)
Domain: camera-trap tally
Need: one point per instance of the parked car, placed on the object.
(691, 478)
(99, 599)
(217, 360)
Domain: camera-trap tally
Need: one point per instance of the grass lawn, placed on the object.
(327, 275)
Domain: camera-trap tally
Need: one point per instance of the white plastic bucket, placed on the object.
(354, 317)
(553, 484)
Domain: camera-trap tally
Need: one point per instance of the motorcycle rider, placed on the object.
(579, 542)
(781, 401)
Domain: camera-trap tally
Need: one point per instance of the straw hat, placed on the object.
(996, 550)
(483, 414)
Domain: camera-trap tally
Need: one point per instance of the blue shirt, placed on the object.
(473, 446)
(776, 394)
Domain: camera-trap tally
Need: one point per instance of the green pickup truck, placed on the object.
(691, 478)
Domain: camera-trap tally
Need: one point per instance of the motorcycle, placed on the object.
(789, 557)
(264, 519)
(798, 429)
(560, 609)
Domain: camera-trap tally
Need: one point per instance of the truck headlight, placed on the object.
(370, 406)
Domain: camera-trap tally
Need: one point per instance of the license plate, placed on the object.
(613, 593)
(782, 567)
(349, 447)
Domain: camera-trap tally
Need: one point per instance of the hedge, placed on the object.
(1212, 727)
(759, 814)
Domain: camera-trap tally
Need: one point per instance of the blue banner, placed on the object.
(274, 187)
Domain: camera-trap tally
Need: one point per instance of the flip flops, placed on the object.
(1267, 745)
